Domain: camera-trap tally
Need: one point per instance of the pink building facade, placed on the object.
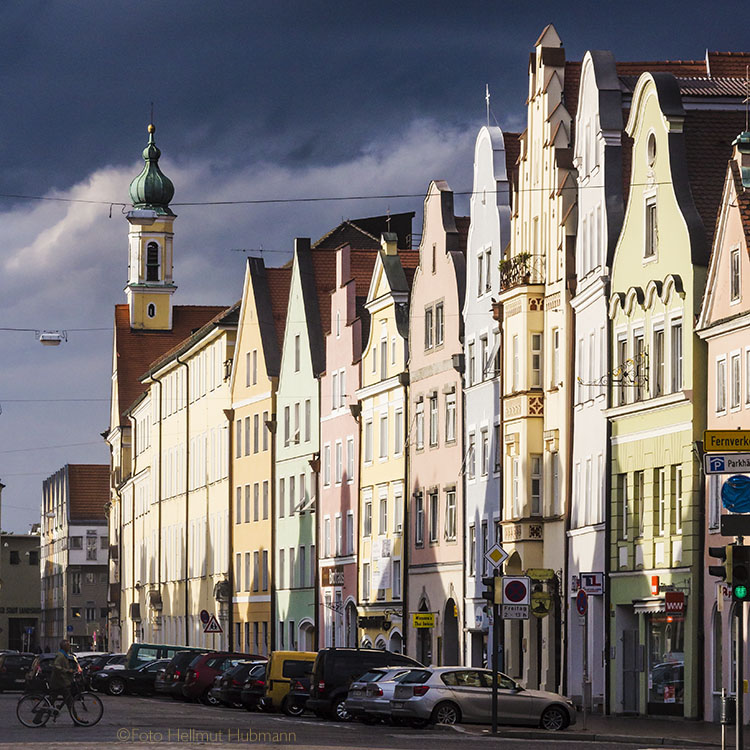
(724, 324)
(436, 452)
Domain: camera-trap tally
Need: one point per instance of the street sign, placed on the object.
(423, 619)
(582, 602)
(540, 574)
(29, 630)
(496, 555)
(515, 612)
(212, 626)
(516, 590)
(592, 583)
(726, 440)
(205, 617)
(735, 524)
(674, 602)
(69, 629)
(726, 463)
(541, 603)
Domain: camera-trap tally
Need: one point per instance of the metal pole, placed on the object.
(739, 724)
(495, 643)
(585, 666)
(723, 725)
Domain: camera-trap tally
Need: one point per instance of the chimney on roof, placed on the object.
(343, 266)
(741, 154)
(389, 243)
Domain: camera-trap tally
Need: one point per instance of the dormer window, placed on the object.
(152, 262)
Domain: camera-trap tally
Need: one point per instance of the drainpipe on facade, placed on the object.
(134, 471)
(156, 380)
(607, 530)
(562, 597)
(315, 466)
(699, 598)
(187, 497)
(356, 410)
(271, 426)
(229, 414)
(406, 534)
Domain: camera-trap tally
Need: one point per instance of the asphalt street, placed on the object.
(135, 723)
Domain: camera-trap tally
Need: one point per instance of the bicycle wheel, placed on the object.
(33, 710)
(86, 709)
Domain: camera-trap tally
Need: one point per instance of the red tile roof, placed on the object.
(708, 140)
(279, 281)
(732, 64)
(89, 491)
(136, 350)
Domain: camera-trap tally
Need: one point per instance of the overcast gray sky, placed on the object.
(252, 100)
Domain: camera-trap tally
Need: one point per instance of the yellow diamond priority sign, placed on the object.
(496, 555)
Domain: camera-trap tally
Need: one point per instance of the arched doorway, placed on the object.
(424, 639)
(350, 625)
(306, 637)
(450, 634)
(396, 642)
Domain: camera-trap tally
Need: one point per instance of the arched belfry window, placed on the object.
(152, 262)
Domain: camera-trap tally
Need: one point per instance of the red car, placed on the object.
(200, 675)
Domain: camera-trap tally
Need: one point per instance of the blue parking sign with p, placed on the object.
(716, 463)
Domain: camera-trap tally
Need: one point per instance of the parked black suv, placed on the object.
(174, 675)
(13, 669)
(336, 668)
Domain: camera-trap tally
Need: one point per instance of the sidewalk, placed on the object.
(650, 732)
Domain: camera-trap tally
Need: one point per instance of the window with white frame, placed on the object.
(487, 270)
(326, 465)
(483, 363)
(471, 369)
(339, 461)
(339, 536)
(342, 389)
(419, 520)
(555, 472)
(580, 369)
(384, 354)
(536, 360)
(639, 355)
(657, 363)
(434, 510)
(428, 328)
(334, 391)
(622, 487)
(735, 369)
(471, 450)
(439, 324)
(622, 356)
(450, 515)
(350, 532)
(398, 431)
(660, 500)
(676, 355)
(296, 353)
(393, 350)
(398, 509)
(383, 516)
(368, 441)
(485, 547)
(419, 424)
(652, 235)
(384, 435)
(396, 580)
(734, 275)
(516, 364)
(450, 417)
(433, 419)
(480, 274)
(721, 384)
(555, 358)
(484, 455)
(678, 500)
(536, 484)
(497, 452)
(367, 518)
(516, 487)
(350, 459)
(366, 581)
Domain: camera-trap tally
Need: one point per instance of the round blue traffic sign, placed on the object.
(582, 602)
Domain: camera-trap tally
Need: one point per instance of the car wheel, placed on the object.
(339, 711)
(554, 719)
(116, 686)
(292, 708)
(446, 713)
(209, 699)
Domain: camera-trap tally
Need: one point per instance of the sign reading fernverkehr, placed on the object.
(726, 440)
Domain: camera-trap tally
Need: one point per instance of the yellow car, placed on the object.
(285, 668)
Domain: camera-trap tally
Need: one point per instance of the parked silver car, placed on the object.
(448, 695)
(369, 697)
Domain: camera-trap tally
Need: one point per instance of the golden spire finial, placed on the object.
(151, 128)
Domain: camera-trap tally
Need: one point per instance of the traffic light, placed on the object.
(740, 573)
(489, 588)
(722, 571)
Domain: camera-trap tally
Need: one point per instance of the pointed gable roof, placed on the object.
(136, 350)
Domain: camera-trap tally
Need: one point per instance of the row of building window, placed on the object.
(255, 577)
(298, 497)
(383, 452)
(398, 515)
(485, 367)
(659, 490)
(256, 434)
(255, 644)
(734, 387)
(92, 614)
(434, 425)
(292, 434)
(394, 579)
(301, 568)
(485, 451)
(427, 517)
(338, 464)
(339, 547)
(434, 326)
(485, 545)
(254, 505)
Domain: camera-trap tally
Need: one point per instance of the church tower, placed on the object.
(150, 285)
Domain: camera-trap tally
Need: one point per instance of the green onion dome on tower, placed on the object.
(152, 189)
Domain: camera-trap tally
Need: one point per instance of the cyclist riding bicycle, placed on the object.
(61, 678)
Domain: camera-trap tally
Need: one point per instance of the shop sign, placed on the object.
(592, 583)
(674, 602)
(541, 603)
(333, 575)
(423, 619)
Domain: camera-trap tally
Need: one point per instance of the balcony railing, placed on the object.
(523, 268)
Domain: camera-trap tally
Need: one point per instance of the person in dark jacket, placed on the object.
(61, 678)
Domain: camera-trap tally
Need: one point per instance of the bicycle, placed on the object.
(34, 710)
